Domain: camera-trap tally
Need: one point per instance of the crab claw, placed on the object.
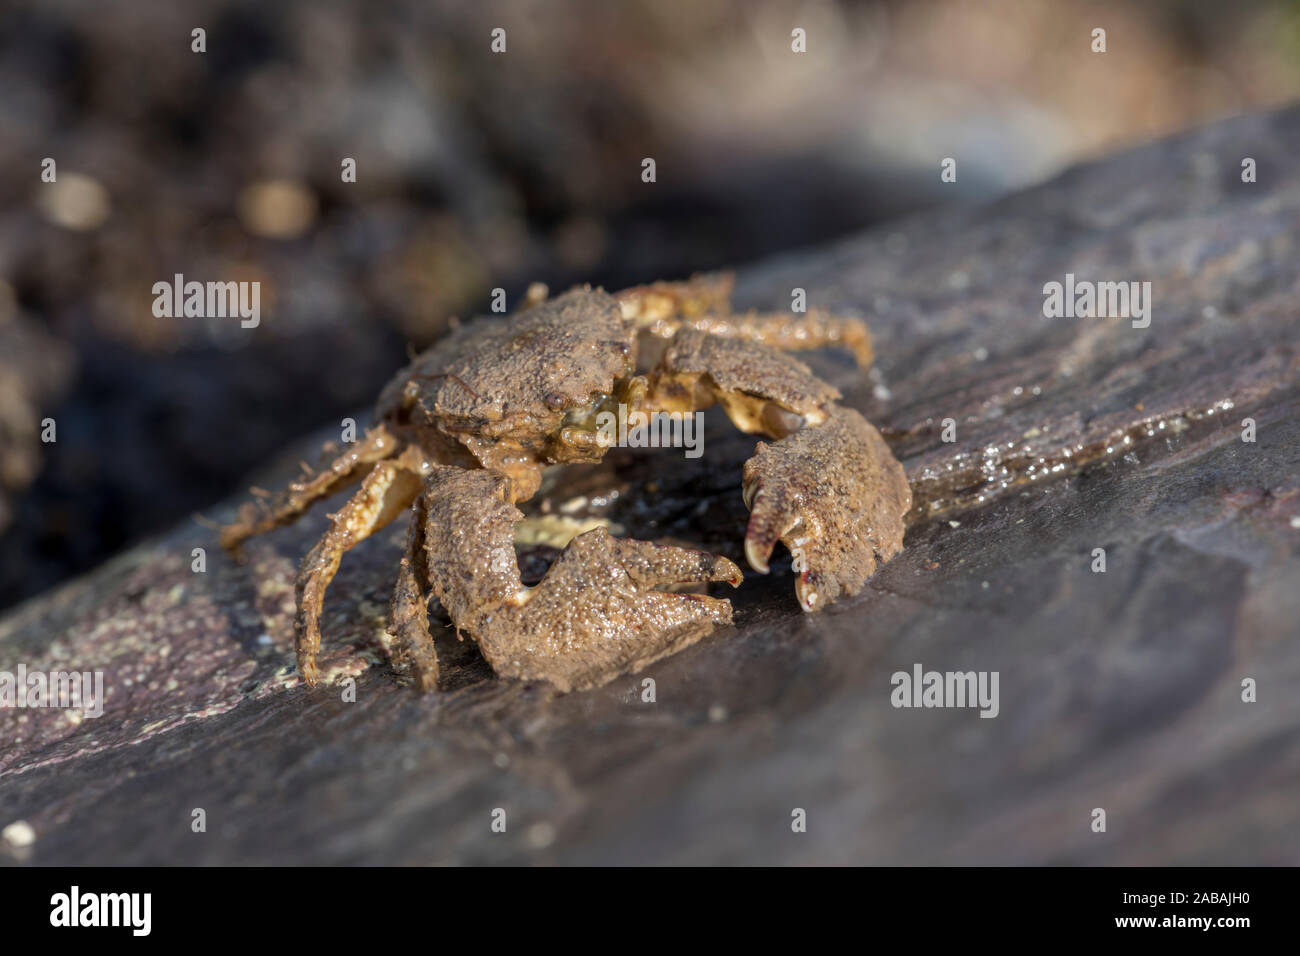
(605, 607)
(835, 496)
(602, 610)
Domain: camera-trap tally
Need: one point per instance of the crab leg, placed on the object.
(703, 303)
(599, 611)
(408, 616)
(289, 504)
(706, 293)
(792, 332)
(762, 390)
(384, 494)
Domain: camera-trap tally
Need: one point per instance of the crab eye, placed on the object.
(554, 401)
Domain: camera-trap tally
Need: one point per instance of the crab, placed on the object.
(464, 432)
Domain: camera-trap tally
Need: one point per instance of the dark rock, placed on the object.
(34, 369)
(1120, 690)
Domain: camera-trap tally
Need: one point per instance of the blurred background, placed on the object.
(477, 170)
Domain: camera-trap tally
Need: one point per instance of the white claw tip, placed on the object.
(807, 595)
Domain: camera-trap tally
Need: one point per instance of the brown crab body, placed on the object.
(503, 390)
(463, 434)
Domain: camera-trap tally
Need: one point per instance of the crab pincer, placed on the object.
(835, 496)
(600, 610)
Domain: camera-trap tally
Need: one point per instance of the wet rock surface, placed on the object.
(1120, 690)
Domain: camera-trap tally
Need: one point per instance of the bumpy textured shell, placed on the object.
(519, 375)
